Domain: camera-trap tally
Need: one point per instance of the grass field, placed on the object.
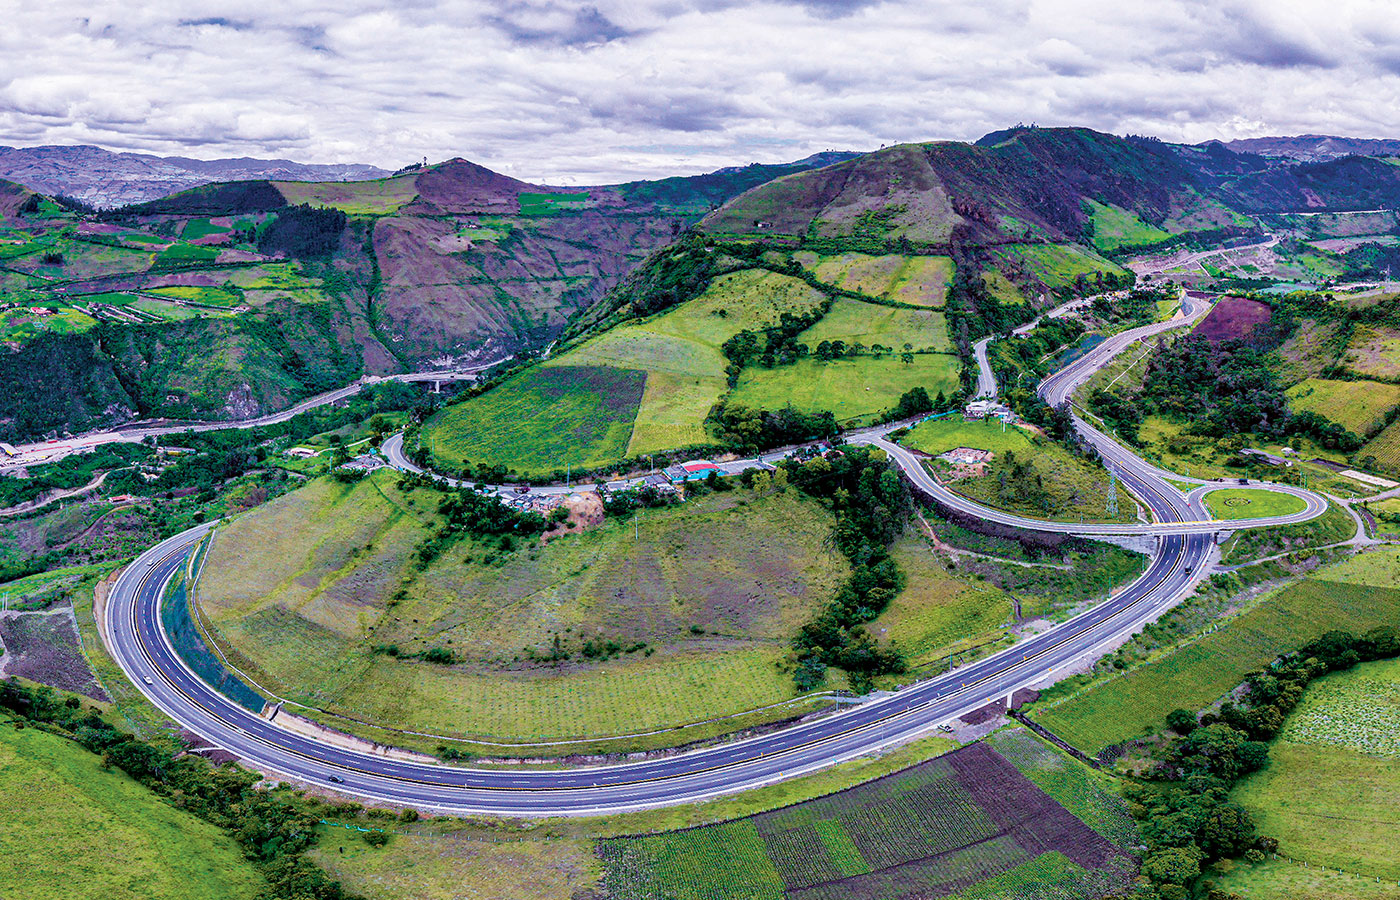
(1196, 674)
(1116, 228)
(209, 296)
(364, 198)
(1374, 350)
(940, 828)
(197, 228)
(20, 324)
(541, 420)
(867, 323)
(302, 590)
(1248, 503)
(1357, 405)
(939, 612)
(941, 435)
(1281, 879)
(1057, 265)
(916, 280)
(1332, 784)
(451, 866)
(74, 829)
(854, 389)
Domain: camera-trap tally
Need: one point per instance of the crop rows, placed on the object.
(933, 830)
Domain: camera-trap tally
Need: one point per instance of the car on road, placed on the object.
(523, 489)
(148, 680)
(335, 778)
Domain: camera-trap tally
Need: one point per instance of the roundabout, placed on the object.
(1182, 533)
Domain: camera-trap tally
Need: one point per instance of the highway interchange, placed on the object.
(1183, 538)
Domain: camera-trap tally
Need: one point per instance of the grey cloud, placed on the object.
(216, 22)
(555, 24)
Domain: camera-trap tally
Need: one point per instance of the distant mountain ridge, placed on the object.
(106, 178)
(1315, 147)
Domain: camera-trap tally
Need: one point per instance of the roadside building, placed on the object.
(695, 470)
(988, 409)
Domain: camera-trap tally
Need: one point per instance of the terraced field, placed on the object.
(1384, 450)
(939, 611)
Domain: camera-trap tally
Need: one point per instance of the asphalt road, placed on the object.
(142, 649)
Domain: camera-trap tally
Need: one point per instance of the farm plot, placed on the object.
(541, 420)
(1197, 673)
(43, 647)
(680, 352)
(934, 830)
(1359, 406)
(1233, 318)
(203, 296)
(852, 321)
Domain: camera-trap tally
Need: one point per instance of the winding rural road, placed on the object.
(1183, 544)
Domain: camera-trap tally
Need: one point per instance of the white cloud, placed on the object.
(615, 89)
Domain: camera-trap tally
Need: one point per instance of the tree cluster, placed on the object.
(743, 429)
(872, 505)
(303, 231)
(1227, 388)
(773, 345)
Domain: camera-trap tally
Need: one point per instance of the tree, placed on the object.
(1174, 865)
(1181, 721)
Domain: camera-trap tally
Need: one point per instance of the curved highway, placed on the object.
(1183, 545)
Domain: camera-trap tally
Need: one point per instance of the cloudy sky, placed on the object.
(575, 93)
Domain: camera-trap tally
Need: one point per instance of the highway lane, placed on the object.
(142, 649)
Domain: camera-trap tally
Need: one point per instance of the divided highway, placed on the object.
(1183, 546)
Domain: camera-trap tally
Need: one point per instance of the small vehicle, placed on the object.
(523, 489)
(1188, 570)
(148, 680)
(1244, 481)
(335, 778)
